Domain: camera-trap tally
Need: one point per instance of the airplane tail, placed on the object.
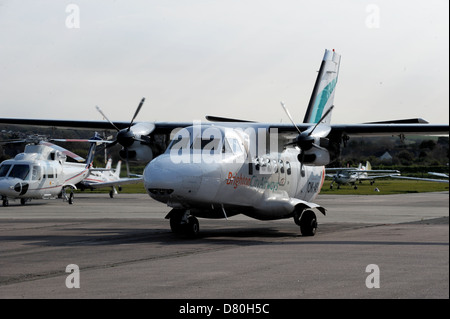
(322, 96)
(108, 164)
(91, 153)
(118, 168)
(368, 166)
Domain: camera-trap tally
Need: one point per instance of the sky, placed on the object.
(233, 58)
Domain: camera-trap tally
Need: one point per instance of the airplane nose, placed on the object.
(164, 179)
(160, 181)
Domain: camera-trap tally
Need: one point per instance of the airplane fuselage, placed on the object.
(266, 187)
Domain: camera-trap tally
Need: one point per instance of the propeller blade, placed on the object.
(321, 130)
(112, 144)
(104, 116)
(321, 119)
(137, 112)
(290, 117)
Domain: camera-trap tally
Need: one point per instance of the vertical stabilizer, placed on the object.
(91, 153)
(109, 164)
(323, 93)
(118, 168)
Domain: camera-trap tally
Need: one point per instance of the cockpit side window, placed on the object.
(4, 169)
(232, 146)
(20, 171)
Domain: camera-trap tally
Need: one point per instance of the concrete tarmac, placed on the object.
(123, 248)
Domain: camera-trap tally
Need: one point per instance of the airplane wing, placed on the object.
(372, 129)
(161, 127)
(122, 181)
(356, 170)
(422, 179)
(339, 131)
(370, 177)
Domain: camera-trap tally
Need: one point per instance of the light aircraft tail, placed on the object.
(118, 168)
(91, 153)
(323, 93)
(368, 166)
(108, 164)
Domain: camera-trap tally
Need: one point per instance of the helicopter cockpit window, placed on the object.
(4, 169)
(20, 171)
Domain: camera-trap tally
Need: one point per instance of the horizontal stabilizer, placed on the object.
(404, 121)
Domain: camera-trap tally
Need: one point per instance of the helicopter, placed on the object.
(43, 172)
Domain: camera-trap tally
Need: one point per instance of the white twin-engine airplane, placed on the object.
(41, 172)
(267, 171)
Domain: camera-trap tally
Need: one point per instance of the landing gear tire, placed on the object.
(308, 223)
(192, 227)
(175, 222)
(181, 224)
(5, 202)
(23, 201)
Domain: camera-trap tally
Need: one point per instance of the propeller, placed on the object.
(126, 137)
(306, 140)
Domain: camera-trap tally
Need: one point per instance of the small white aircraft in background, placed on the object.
(42, 172)
(107, 177)
(352, 175)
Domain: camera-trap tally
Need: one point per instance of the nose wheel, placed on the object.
(182, 223)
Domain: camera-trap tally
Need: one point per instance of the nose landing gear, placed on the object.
(183, 223)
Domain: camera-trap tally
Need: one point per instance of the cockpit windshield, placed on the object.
(4, 169)
(208, 139)
(17, 171)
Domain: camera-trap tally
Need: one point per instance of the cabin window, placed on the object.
(36, 173)
(288, 170)
(4, 169)
(281, 166)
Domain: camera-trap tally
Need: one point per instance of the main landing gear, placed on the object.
(67, 196)
(307, 220)
(183, 223)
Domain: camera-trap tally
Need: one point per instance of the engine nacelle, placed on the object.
(315, 157)
(137, 153)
